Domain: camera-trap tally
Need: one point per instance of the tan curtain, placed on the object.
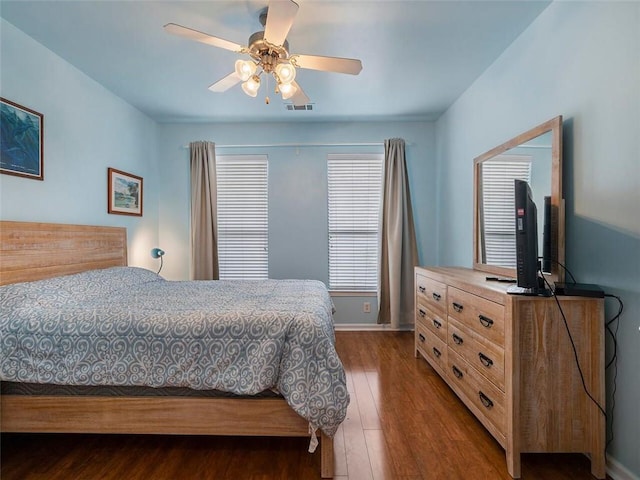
(398, 250)
(204, 222)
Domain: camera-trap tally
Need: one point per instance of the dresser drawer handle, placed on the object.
(457, 372)
(421, 337)
(486, 401)
(457, 307)
(436, 352)
(436, 323)
(422, 289)
(486, 361)
(485, 321)
(457, 339)
(422, 313)
(436, 296)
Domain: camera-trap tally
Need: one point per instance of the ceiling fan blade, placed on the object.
(225, 83)
(328, 64)
(299, 98)
(202, 37)
(280, 17)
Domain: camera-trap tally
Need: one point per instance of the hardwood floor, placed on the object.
(403, 423)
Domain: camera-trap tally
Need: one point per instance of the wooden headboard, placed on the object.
(34, 251)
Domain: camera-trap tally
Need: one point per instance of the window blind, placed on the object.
(499, 206)
(242, 216)
(354, 185)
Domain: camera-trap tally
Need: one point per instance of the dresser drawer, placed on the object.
(487, 399)
(483, 355)
(436, 323)
(478, 314)
(431, 347)
(431, 293)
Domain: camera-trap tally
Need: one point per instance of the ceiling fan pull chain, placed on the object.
(266, 99)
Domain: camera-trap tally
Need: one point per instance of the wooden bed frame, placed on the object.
(34, 251)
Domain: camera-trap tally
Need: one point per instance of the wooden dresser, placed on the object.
(510, 360)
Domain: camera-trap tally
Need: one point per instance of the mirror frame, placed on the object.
(557, 201)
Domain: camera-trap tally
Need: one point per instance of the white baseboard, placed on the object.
(370, 327)
(617, 471)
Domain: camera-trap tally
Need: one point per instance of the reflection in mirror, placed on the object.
(530, 162)
(534, 157)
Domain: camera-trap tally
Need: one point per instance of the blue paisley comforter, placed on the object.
(129, 326)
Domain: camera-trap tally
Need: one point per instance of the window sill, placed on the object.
(352, 293)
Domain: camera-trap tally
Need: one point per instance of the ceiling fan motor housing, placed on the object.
(258, 47)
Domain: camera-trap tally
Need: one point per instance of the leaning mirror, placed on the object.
(534, 156)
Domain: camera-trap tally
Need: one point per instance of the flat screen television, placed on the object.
(526, 225)
(546, 237)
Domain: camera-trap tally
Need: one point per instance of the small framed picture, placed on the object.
(125, 193)
(22, 143)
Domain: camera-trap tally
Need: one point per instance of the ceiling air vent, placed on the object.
(308, 106)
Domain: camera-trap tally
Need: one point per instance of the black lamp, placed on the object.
(158, 253)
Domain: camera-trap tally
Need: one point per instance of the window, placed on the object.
(498, 201)
(242, 216)
(355, 186)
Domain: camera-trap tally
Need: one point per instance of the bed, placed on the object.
(115, 333)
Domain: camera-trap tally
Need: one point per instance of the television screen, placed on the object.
(546, 237)
(526, 216)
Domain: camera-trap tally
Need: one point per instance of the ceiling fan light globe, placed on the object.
(286, 73)
(251, 93)
(251, 86)
(287, 90)
(245, 69)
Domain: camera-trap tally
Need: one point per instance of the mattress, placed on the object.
(49, 390)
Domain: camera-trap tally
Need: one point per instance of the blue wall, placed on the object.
(298, 241)
(86, 130)
(580, 60)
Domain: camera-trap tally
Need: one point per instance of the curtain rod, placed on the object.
(271, 145)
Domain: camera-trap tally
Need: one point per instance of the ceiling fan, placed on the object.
(269, 52)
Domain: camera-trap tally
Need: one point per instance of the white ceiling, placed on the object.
(417, 56)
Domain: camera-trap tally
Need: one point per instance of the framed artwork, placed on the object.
(22, 141)
(125, 193)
